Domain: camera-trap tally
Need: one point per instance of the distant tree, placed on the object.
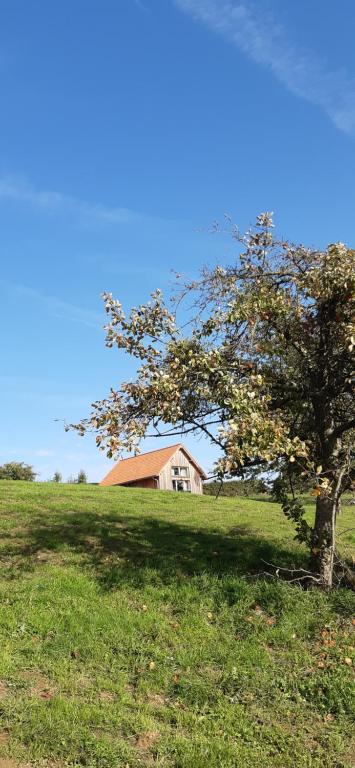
(15, 470)
(236, 488)
(82, 477)
(261, 363)
(71, 480)
(57, 477)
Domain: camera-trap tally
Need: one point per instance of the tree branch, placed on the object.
(338, 431)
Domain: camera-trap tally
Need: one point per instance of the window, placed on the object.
(178, 485)
(182, 485)
(180, 471)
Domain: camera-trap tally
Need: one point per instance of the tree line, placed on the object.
(18, 470)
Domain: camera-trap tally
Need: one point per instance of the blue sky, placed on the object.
(127, 127)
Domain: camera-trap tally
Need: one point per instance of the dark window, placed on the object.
(181, 485)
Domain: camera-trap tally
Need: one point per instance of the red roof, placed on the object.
(143, 466)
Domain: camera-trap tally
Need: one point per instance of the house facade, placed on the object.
(167, 469)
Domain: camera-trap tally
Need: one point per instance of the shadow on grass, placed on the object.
(138, 550)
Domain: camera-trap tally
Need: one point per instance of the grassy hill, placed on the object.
(137, 629)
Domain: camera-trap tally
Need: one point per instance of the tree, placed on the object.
(261, 364)
(17, 470)
(82, 477)
(247, 487)
(57, 477)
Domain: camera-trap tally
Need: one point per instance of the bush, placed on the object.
(17, 470)
(57, 477)
(82, 477)
(235, 488)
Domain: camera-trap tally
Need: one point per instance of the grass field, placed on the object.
(136, 629)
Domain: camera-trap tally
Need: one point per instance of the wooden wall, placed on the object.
(180, 459)
(148, 482)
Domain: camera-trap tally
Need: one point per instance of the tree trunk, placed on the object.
(323, 540)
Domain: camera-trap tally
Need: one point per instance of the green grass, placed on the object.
(137, 629)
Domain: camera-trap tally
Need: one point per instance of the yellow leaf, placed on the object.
(348, 661)
(152, 665)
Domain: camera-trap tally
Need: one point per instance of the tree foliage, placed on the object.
(17, 470)
(247, 487)
(261, 363)
(82, 477)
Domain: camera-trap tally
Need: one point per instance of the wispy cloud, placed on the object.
(265, 41)
(57, 307)
(17, 190)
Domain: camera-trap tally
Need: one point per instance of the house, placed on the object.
(169, 469)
